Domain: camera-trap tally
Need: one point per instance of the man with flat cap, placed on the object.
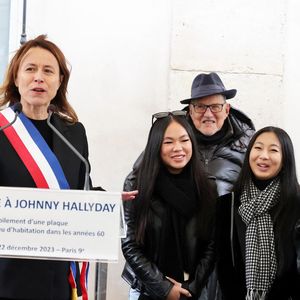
(222, 132)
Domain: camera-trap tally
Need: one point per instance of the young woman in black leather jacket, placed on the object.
(169, 250)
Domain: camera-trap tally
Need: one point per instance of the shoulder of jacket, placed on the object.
(243, 131)
(241, 118)
(241, 143)
(62, 121)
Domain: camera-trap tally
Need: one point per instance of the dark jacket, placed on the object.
(140, 270)
(230, 243)
(221, 161)
(40, 279)
(224, 160)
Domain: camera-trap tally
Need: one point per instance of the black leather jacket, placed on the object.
(223, 161)
(140, 270)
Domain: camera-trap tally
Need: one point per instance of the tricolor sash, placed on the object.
(34, 152)
(44, 168)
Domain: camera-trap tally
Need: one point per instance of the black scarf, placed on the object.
(178, 194)
(218, 138)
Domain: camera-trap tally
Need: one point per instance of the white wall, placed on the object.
(291, 106)
(4, 35)
(136, 57)
(242, 40)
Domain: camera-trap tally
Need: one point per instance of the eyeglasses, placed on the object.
(202, 108)
(165, 114)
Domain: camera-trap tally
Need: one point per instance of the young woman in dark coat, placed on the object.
(258, 225)
(169, 250)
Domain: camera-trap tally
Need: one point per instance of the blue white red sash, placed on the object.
(44, 168)
(33, 150)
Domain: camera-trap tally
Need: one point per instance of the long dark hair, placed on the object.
(149, 169)
(287, 210)
(9, 92)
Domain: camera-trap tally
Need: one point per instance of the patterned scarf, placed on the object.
(261, 264)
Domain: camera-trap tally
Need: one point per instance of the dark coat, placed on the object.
(224, 160)
(40, 279)
(230, 244)
(141, 271)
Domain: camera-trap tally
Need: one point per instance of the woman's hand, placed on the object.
(177, 290)
(129, 195)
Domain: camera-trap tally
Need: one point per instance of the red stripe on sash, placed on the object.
(83, 279)
(25, 156)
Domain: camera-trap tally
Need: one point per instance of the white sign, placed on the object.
(59, 224)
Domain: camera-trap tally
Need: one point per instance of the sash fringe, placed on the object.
(256, 295)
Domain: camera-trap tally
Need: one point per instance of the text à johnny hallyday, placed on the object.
(55, 205)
